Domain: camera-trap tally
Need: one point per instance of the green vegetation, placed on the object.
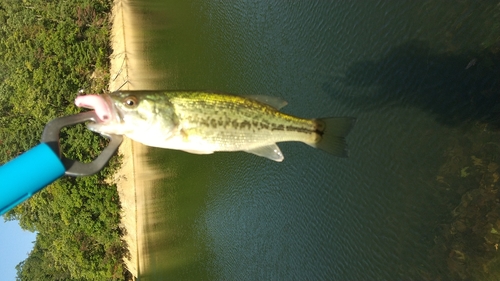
(48, 51)
(467, 242)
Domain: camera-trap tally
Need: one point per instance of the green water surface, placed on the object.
(422, 78)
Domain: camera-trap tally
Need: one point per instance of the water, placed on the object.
(423, 83)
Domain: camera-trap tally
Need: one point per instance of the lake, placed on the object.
(417, 199)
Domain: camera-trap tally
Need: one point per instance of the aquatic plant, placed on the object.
(469, 241)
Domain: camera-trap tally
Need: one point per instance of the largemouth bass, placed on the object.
(205, 122)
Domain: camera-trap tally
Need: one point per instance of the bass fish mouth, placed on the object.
(101, 104)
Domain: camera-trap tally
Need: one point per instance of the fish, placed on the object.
(205, 122)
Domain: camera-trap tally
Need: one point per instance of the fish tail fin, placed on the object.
(332, 133)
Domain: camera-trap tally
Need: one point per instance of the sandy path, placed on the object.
(132, 153)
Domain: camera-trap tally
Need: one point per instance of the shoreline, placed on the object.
(126, 184)
(132, 153)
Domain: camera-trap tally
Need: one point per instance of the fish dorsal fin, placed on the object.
(275, 102)
(272, 152)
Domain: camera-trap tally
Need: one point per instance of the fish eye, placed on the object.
(130, 102)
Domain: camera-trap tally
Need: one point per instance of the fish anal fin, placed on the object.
(275, 102)
(272, 152)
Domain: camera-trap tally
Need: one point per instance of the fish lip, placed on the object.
(110, 108)
(116, 115)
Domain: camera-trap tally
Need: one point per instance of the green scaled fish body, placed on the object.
(204, 122)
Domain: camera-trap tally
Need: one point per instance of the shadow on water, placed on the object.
(462, 92)
(455, 88)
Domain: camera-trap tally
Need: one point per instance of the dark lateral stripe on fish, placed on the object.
(254, 124)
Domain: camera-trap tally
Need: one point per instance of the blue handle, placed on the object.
(27, 174)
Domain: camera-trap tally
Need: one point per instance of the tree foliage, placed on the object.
(48, 51)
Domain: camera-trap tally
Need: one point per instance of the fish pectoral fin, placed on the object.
(275, 102)
(272, 152)
(198, 151)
